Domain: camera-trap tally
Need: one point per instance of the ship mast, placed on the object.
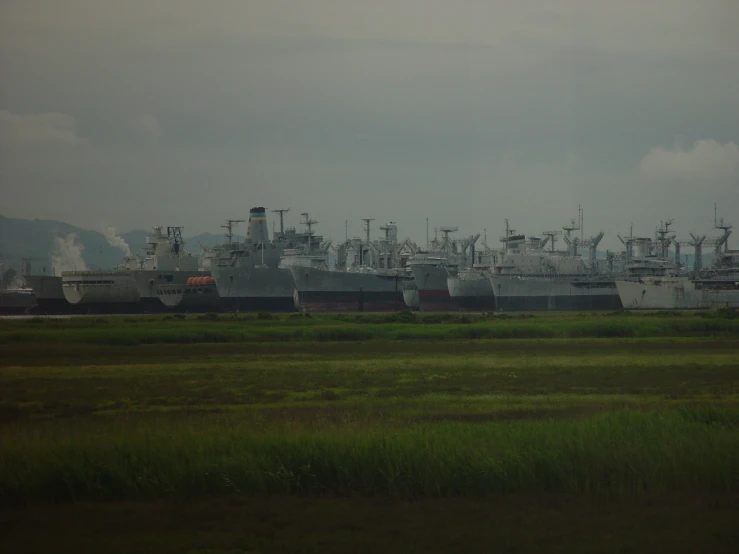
(309, 223)
(282, 213)
(664, 242)
(367, 221)
(447, 244)
(697, 243)
(174, 234)
(229, 228)
(726, 228)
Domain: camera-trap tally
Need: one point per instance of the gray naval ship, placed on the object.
(200, 294)
(48, 294)
(471, 288)
(369, 275)
(47, 290)
(664, 286)
(431, 268)
(15, 296)
(132, 288)
(249, 277)
(528, 276)
(197, 294)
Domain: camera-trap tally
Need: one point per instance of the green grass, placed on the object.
(128, 331)
(626, 412)
(620, 453)
(411, 418)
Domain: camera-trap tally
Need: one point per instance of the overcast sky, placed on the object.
(144, 112)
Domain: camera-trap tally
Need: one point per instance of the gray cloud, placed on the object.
(145, 126)
(34, 130)
(465, 112)
(706, 162)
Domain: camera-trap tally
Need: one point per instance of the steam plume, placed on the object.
(66, 255)
(114, 239)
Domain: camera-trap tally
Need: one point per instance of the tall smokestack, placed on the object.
(258, 231)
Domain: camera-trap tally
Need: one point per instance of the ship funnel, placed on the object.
(258, 232)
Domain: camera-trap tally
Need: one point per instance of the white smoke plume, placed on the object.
(114, 239)
(66, 255)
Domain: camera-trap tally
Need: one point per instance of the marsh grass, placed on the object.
(401, 405)
(215, 328)
(73, 381)
(620, 453)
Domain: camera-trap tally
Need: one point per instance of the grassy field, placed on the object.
(209, 328)
(395, 433)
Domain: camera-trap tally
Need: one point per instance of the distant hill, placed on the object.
(35, 239)
(46, 241)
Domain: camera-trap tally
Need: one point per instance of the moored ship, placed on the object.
(48, 294)
(111, 291)
(166, 262)
(528, 277)
(198, 294)
(47, 290)
(249, 276)
(666, 288)
(433, 267)
(471, 288)
(14, 297)
(132, 288)
(679, 293)
(369, 275)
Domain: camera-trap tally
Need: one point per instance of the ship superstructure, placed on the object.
(249, 276)
(165, 262)
(199, 293)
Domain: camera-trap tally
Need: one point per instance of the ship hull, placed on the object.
(473, 293)
(49, 295)
(101, 292)
(324, 290)
(411, 298)
(52, 306)
(680, 293)
(527, 294)
(148, 280)
(433, 292)
(190, 298)
(255, 289)
(14, 302)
